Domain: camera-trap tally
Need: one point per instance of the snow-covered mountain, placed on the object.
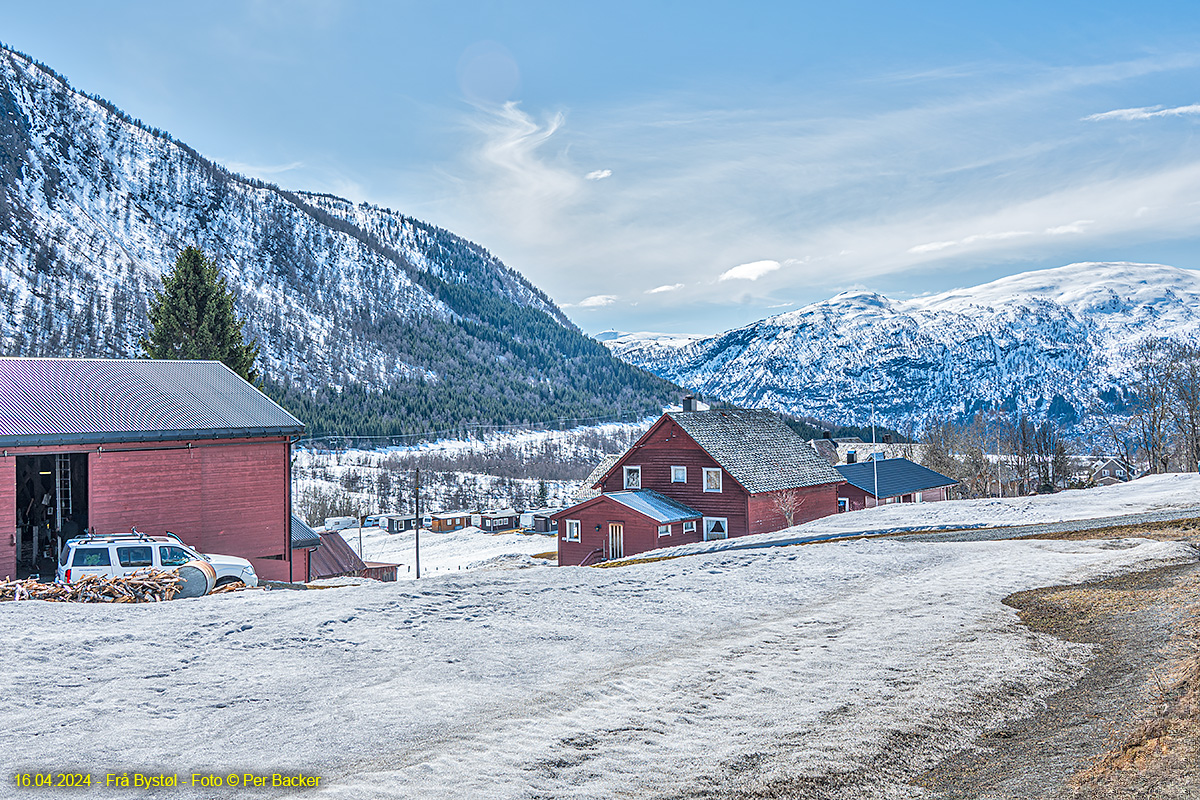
(95, 205)
(1044, 342)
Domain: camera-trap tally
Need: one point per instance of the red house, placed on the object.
(184, 446)
(699, 475)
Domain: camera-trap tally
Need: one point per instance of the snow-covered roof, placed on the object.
(757, 449)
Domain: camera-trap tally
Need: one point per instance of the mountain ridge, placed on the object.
(1046, 342)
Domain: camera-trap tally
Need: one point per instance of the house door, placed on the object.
(616, 540)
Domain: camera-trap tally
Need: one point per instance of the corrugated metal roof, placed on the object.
(96, 401)
(334, 557)
(755, 446)
(302, 535)
(654, 505)
(897, 476)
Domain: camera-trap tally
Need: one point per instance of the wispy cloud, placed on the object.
(262, 171)
(1147, 112)
(599, 174)
(1081, 225)
(596, 301)
(749, 272)
(670, 287)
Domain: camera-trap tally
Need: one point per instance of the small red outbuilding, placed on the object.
(106, 444)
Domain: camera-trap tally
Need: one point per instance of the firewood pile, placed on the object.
(151, 586)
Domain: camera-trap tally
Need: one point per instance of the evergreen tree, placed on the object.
(193, 318)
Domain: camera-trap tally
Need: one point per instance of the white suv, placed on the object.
(122, 554)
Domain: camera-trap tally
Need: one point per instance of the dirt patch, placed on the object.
(1130, 728)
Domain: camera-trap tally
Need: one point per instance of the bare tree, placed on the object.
(1151, 387)
(788, 502)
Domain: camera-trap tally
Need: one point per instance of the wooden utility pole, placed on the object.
(417, 525)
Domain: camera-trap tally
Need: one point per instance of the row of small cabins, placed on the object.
(189, 447)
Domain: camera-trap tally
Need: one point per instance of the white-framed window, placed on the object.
(664, 530)
(689, 526)
(572, 531)
(716, 528)
(712, 479)
(678, 474)
(633, 477)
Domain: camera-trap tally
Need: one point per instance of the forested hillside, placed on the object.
(369, 322)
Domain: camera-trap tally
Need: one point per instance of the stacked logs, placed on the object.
(152, 586)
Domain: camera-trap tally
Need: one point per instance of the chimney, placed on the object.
(826, 435)
(689, 403)
(887, 438)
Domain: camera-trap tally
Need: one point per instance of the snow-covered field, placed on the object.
(853, 664)
(469, 548)
(1152, 493)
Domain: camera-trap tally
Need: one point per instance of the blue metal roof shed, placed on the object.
(897, 477)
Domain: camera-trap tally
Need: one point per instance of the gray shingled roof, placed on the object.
(755, 447)
(897, 476)
(586, 490)
(655, 506)
(46, 401)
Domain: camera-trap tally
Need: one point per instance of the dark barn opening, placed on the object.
(51, 495)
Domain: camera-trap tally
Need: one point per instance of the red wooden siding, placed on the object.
(8, 517)
(666, 445)
(640, 534)
(231, 499)
(819, 501)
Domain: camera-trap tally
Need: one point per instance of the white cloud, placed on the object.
(931, 247)
(597, 301)
(599, 174)
(261, 171)
(670, 287)
(749, 272)
(1146, 112)
(1078, 226)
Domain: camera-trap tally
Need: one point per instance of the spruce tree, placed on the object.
(193, 318)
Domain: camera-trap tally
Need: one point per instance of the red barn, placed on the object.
(184, 446)
(737, 472)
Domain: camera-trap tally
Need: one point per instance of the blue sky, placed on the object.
(689, 166)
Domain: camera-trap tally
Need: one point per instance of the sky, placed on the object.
(688, 167)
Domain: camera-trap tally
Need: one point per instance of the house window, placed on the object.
(572, 531)
(712, 480)
(633, 477)
(678, 474)
(689, 526)
(664, 530)
(716, 528)
(843, 504)
(1106, 473)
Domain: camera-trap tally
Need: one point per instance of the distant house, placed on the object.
(698, 475)
(398, 523)
(890, 480)
(1110, 471)
(335, 558)
(499, 521)
(540, 520)
(449, 521)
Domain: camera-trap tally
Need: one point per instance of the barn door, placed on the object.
(616, 540)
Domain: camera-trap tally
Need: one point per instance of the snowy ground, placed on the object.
(862, 659)
(469, 548)
(1151, 493)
